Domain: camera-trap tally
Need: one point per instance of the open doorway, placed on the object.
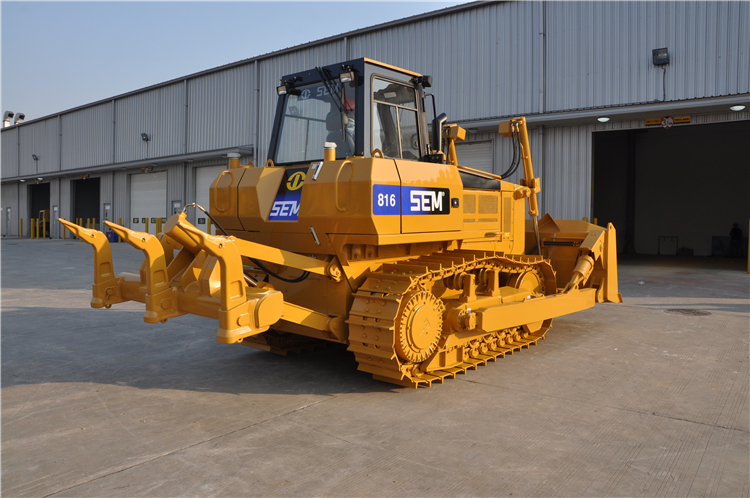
(673, 191)
(86, 200)
(39, 204)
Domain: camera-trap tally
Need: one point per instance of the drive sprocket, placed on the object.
(419, 325)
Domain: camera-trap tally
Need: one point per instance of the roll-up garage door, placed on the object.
(477, 155)
(204, 177)
(148, 200)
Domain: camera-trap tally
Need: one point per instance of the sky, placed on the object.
(59, 55)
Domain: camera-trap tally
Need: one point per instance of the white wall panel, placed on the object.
(87, 137)
(148, 199)
(160, 113)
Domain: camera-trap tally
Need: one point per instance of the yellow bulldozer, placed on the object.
(363, 229)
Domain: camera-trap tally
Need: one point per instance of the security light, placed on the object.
(22, 181)
(603, 119)
(145, 137)
(737, 108)
(660, 56)
(40, 179)
(34, 157)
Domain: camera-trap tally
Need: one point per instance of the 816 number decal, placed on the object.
(386, 199)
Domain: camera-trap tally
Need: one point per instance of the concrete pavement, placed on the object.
(619, 400)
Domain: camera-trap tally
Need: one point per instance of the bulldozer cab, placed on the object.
(362, 106)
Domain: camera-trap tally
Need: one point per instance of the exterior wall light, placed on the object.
(603, 119)
(737, 108)
(34, 157)
(660, 56)
(145, 137)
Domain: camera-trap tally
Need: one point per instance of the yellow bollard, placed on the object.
(585, 218)
(596, 221)
(208, 227)
(93, 223)
(158, 225)
(31, 228)
(88, 223)
(20, 228)
(37, 229)
(146, 225)
(64, 230)
(119, 222)
(44, 229)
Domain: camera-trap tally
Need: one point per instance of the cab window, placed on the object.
(394, 119)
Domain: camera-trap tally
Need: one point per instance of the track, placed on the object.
(402, 293)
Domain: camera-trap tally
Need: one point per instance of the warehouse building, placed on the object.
(635, 111)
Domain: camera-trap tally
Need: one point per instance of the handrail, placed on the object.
(336, 184)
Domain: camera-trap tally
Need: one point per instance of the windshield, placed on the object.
(311, 117)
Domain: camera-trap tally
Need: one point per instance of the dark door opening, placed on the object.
(677, 190)
(86, 200)
(39, 200)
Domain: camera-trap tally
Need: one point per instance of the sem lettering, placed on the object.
(426, 201)
(284, 209)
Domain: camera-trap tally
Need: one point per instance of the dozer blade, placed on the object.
(583, 255)
(106, 286)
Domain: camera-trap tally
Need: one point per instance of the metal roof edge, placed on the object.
(642, 109)
(162, 161)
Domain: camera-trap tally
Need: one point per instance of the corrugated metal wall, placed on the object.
(43, 139)
(66, 203)
(599, 53)
(54, 200)
(87, 137)
(9, 195)
(121, 198)
(23, 207)
(221, 109)
(485, 62)
(176, 176)
(160, 113)
(10, 152)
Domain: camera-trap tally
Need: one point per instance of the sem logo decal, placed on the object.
(286, 204)
(295, 181)
(425, 200)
